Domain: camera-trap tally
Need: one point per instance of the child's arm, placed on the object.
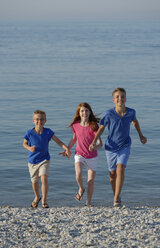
(29, 148)
(61, 144)
(137, 127)
(92, 146)
(70, 145)
(72, 141)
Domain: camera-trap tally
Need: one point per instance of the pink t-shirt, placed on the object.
(84, 136)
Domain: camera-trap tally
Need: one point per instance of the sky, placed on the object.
(11, 10)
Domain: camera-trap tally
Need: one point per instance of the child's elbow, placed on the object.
(100, 144)
(24, 143)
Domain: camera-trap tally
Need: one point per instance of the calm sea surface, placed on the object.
(56, 66)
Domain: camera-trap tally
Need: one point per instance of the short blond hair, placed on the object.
(119, 89)
(39, 112)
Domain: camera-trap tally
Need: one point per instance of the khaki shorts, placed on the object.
(37, 170)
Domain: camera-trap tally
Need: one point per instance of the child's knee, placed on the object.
(120, 169)
(91, 181)
(78, 176)
(112, 176)
(44, 178)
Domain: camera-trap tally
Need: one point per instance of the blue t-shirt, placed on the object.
(119, 128)
(41, 141)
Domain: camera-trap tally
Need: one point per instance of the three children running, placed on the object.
(87, 135)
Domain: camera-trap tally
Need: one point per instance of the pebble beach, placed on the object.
(100, 227)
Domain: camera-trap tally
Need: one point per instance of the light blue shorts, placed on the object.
(118, 157)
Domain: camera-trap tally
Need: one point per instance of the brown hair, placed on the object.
(118, 89)
(40, 112)
(93, 120)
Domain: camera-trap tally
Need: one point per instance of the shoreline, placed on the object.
(101, 226)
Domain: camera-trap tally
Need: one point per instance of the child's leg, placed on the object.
(37, 198)
(120, 172)
(91, 177)
(79, 177)
(113, 180)
(117, 180)
(33, 170)
(117, 162)
(44, 188)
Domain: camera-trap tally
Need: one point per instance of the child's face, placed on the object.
(119, 99)
(39, 120)
(84, 113)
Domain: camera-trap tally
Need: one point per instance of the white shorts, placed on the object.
(91, 163)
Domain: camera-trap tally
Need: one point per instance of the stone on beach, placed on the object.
(80, 227)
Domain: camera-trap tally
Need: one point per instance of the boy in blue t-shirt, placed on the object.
(118, 143)
(36, 141)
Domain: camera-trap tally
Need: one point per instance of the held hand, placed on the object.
(143, 140)
(92, 147)
(63, 154)
(32, 148)
(68, 153)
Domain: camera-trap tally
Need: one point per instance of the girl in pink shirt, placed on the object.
(85, 125)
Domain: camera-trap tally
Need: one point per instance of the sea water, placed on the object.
(54, 67)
